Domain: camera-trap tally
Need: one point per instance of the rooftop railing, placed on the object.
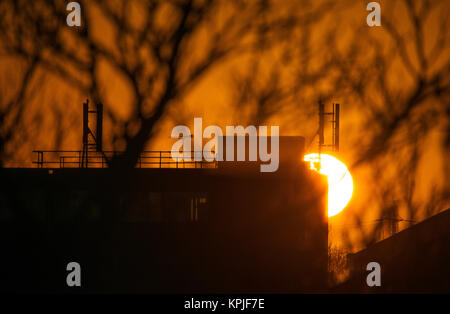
(94, 159)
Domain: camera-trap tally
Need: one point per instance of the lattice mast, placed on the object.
(335, 127)
(92, 131)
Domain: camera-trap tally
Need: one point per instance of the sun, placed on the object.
(340, 182)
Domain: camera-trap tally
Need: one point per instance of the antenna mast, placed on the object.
(335, 127)
(92, 140)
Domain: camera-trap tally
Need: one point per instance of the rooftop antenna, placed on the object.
(92, 140)
(335, 128)
(335, 122)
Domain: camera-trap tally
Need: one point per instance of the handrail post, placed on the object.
(39, 159)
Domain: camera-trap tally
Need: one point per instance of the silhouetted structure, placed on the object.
(224, 228)
(416, 260)
(92, 140)
(335, 127)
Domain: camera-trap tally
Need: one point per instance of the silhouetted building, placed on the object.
(218, 229)
(416, 259)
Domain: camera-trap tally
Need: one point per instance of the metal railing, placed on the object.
(94, 159)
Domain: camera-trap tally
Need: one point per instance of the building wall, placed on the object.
(164, 230)
(414, 260)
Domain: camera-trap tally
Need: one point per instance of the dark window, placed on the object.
(184, 207)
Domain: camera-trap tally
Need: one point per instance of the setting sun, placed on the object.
(340, 182)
